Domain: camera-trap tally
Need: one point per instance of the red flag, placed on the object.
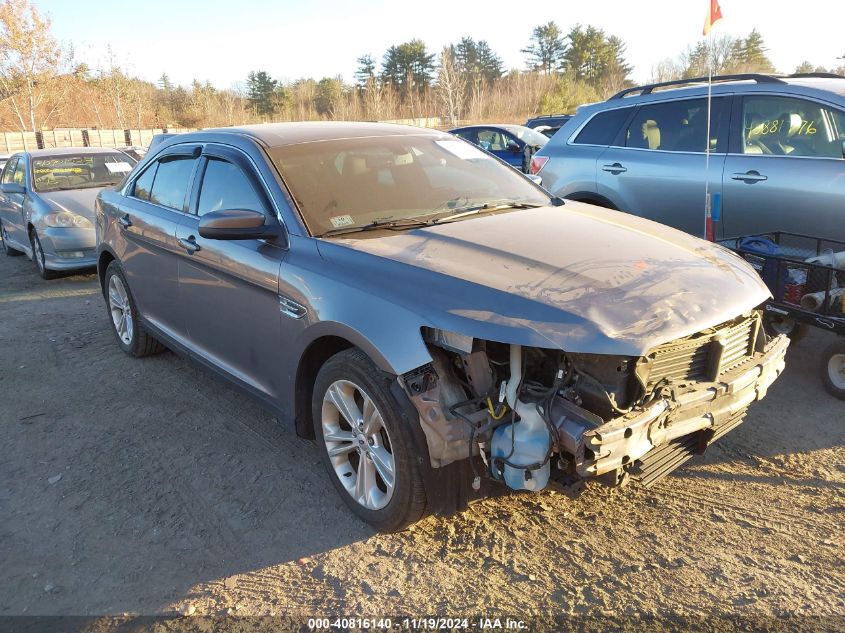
(713, 16)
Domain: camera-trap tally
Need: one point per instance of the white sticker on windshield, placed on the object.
(341, 220)
(463, 150)
(119, 168)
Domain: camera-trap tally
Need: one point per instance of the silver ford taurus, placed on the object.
(47, 204)
(434, 319)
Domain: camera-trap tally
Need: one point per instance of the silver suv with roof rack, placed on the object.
(776, 150)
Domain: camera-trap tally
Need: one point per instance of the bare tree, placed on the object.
(117, 87)
(30, 59)
(451, 86)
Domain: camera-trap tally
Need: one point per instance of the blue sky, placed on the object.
(222, 41)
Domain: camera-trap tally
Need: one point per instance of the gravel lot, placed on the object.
(146, 486)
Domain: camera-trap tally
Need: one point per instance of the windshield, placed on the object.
(355, 182)
(79, 171)
(527, 135)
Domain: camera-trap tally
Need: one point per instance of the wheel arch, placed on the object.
(312, 359)
(590, 197)
(105, 258)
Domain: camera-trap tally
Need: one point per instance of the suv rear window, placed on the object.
(603, 128)
(676, 126)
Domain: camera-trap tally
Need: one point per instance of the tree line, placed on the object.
(43, 86)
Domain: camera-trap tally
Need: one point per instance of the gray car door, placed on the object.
(785, 170)
(11, 205)
(14, 204)
(657, 171)
(228, 289)
(157, 200)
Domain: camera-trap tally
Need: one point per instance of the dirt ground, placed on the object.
(147, 487)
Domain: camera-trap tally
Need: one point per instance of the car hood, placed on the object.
(78, 201)
(578, 277)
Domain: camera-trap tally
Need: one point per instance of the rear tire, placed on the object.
(10, 252)
(373, 464)
(38, 257)
(123, 316)
(833, 369)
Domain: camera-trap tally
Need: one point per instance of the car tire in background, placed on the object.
(38, 256)
(11, 252)
(123, 315)
(833, 369)
(776, 325)
(364, 444)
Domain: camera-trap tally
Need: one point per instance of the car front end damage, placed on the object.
(533, 414)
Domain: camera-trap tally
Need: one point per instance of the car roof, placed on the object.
(283, 134)
(821, 87)
(71, 151)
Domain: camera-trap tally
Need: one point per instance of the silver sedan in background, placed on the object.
(47, 204)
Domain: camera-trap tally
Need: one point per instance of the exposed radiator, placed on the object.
(659, 462)
(704, 356)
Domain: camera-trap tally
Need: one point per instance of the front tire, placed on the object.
(123, 315)
(367, 450)
(10, 252)
(38, 257)
(833, 369)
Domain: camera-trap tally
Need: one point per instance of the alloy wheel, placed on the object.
(120, 309)
(358, 444)
(37, 253)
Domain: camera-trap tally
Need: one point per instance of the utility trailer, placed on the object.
(806, 276)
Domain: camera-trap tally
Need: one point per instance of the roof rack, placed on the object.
(549, 116)
(821, 75)
(647, 89)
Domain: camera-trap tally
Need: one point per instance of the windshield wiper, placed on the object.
(399, 223)
(417, 221)
(488, 206)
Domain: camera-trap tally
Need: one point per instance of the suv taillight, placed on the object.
(537, 164)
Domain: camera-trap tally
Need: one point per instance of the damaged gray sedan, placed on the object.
(431, 317)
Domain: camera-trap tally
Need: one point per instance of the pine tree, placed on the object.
(366, 70)
(261, 91)
(546, 50)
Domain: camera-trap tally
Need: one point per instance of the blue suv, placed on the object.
(777, 154)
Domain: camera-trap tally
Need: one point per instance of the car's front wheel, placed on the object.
(123, 314)
(11, 252)
(38, 257)
(365, 447)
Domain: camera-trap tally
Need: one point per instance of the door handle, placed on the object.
(124, 221)
(189, 245)
(615, 168)
(750, 176)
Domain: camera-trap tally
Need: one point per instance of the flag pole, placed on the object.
(708, 210)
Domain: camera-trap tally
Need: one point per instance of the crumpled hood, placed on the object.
(584, 279)
(78, 201)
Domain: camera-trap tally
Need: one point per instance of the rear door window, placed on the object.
(225, 186)
(676, 126)
(603, 127)
(784, 126)
(171, 182)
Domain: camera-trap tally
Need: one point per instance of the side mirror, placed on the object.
(513, 147)
(12, 187)
(236, 224)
